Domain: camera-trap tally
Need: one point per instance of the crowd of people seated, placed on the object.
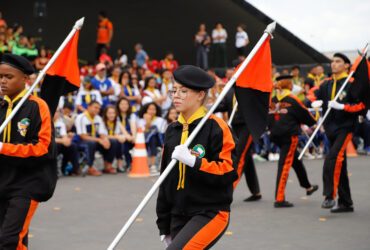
(118, 95)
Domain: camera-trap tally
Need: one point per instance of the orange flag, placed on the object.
(257, 75)
(63, 76)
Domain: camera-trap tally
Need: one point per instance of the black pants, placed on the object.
(289, 158)
(92, 147)
(219, 55)
(15, 217)
(201, 231)
(245, 160)
(99, 47)
(70, 154)
(335, 169)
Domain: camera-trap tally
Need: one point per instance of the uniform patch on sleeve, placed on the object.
(23, 126)
(198, 151)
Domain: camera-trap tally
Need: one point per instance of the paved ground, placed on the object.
(86, 213)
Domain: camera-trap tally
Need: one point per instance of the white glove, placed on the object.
(336, 105)
(182, 153)
(316, 104)
(166, 239)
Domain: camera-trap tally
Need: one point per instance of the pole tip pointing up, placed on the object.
(79, 23)
(271, 28)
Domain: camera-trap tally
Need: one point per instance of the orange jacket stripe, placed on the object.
(242, 161)
(280, 196)
(41, 147)
(354, 108)
(22, 234)
(209, 232)
(228, 145)
(339, 164)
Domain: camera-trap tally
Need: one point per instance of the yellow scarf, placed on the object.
(152, 90)
(129, 90)
(88, 97)
(91, 119)
(8, 128)
(201, 111)
(110, 127)
(282, 94)
(334, 88)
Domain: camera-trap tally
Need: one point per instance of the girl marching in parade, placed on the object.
(193, 204)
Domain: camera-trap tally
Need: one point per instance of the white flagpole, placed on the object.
(77, 26)
(329, 108)
(268, 32)
(232, 114)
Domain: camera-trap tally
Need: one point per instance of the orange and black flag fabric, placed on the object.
(63, 76)
(360, 88)
(253, 89)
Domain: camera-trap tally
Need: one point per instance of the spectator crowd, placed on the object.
(119, 95)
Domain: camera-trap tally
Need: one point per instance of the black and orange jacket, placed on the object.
(338, 120)
(287, 115)
(28, 156)
(208, 186)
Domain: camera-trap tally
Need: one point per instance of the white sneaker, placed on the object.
(276, 157)
(271, 157)
(153, 170)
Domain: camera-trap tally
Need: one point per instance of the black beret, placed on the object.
(19, 62)
(193, 77)
(283, 77)
(343, 57)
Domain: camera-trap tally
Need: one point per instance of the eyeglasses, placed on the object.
(182, 93)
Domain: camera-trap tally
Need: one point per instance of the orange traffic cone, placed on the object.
(140, 167)
(351, 151)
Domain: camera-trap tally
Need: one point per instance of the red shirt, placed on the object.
(170, 65)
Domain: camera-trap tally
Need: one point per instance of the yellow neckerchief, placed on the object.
(8, 128)
(110, 126)
(318, 79)
(297, 80)
(152, 90)
(129, 90)
(166, 82)
(91, 119)
(35, 91)
(334, 87)
(70, 98)
(87, 96)
(282, 94)
(310, 75)
(123, 121)
(201, 111)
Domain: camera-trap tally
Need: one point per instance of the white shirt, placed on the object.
(241, 39)
(60, 128)
(95, 96)
(158, 122)
(117, 128)
(216, 33)
(83, 125)
(149, 96)
(168, 102)
(117, 90)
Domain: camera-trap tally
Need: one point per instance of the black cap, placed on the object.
(342, 56)
(19, 62)
(193, 77)
(283, 77)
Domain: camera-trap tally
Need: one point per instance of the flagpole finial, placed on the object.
(271, 28)
(79, 23)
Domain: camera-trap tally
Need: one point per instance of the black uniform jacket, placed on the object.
(209, 184)
(339, 120)
(28, 161)
(286, 117)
